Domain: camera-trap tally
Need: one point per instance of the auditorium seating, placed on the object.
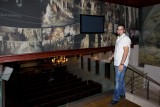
(49, 89)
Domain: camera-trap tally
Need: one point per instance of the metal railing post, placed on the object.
(148, 90)
(132, 82)
(159, 97)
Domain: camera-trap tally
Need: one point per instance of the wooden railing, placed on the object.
(40, 55)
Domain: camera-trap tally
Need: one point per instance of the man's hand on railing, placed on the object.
(109, 60)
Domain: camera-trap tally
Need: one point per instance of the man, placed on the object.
(121, 59)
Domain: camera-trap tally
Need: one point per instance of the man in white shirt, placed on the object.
(121, 59)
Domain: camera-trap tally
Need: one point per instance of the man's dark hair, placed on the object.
(121, 25)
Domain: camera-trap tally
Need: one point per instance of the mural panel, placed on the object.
(29, 26)
(149, 52)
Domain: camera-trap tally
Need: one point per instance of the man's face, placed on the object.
(120, 30)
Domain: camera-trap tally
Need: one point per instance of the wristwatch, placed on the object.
(121, 64)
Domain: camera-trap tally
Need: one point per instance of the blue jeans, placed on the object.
(120, 83)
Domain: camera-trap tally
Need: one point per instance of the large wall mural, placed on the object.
(29, 26)
(149, 52)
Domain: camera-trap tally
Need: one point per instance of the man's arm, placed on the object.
(124, 57)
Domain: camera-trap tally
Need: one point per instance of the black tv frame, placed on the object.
(91, 32)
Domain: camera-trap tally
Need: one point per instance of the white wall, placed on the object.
(134, 54)
(134, 57)
(154, 73)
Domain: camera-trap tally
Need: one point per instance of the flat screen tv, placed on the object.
(91, 24)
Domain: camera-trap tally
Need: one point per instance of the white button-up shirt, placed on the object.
(121, 42)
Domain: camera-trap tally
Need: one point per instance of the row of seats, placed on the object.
(66, 96)
(46, 81)
(54, 87)
(43, 75)
(51, 88)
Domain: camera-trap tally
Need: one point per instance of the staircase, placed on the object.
(139, 84)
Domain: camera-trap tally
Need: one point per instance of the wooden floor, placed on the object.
(102, 100)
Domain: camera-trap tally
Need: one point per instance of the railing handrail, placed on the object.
(135, 70)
